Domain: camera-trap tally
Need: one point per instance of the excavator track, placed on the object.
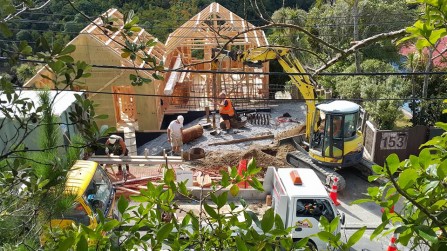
(302, 159)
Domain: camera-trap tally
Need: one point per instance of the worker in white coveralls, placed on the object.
(175, 134)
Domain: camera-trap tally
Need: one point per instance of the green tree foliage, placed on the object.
(420, 184)
(24, 72)
(31, 181)
(289, 36)
(425, 33)
(417, 183)
(218, 224)
(334, 241)
(429, 111)
(32, 178)
(334, 24)
(381, 94)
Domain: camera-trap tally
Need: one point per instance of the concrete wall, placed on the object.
(379, 144)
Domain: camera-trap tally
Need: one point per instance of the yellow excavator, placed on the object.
(332, 138)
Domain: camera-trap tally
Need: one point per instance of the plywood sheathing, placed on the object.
(193, 43)
(94, 47)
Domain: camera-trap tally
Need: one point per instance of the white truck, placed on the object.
(300, 205)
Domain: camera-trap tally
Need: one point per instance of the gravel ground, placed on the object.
(296, 110)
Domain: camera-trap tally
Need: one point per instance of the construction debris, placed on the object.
(146, 160)
(136, 180)
(253, 140)
(234, 141)
(259, 118)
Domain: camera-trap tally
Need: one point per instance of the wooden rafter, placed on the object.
(194, 41)
(115, 40)
(215, 17)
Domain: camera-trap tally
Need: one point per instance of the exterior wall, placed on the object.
(94, 52)
(146, 105)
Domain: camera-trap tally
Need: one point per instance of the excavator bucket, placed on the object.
(293, 140)
(293, 136)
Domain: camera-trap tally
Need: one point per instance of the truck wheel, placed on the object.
(311, 246)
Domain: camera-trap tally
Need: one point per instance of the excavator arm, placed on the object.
(290, 64)
(322, 155)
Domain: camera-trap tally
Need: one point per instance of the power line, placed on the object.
(235, 98)
(373, 15)
(252, 73)
(178, 27)
(184, 37)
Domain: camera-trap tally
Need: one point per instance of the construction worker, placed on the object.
(226, 110)
(175, 134)
(115, 145)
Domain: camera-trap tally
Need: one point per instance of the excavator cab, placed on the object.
(336, 139)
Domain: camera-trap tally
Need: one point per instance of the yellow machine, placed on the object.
(341, 148)
(94, 192)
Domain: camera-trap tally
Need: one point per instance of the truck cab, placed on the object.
(300, 199)
(93, 191)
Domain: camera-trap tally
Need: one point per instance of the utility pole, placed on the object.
(355, 14)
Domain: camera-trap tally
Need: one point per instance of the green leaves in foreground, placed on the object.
(419, 186)
(334, 240)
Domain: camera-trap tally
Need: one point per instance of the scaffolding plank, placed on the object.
(150, 160)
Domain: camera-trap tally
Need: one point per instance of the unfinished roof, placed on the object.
(112, 41)
(214, 25)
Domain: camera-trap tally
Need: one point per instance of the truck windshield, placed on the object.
(99, 191)
(314, 208)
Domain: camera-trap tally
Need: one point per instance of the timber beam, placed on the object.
(137, 160)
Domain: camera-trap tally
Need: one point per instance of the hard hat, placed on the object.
(113, 138)
(180, 119)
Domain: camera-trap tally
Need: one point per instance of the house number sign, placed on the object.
(394, 140)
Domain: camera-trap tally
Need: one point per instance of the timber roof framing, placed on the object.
(116, 41)
(214, 26)
(191, 47)
(111, 41)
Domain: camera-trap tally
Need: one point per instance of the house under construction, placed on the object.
(189, 83)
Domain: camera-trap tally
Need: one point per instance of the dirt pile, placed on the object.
(291, 132)
(264, 155)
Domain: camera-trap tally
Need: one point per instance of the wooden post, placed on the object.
(207, 113)
(234, 141)
(214, 68)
